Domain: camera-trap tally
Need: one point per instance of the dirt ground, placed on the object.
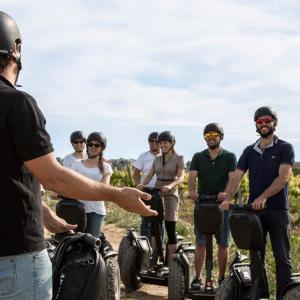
(147, 291)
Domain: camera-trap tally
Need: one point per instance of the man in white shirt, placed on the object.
(78, 141)
(141, 168)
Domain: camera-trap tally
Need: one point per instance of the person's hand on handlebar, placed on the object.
(193, 195)
(259, 203)
(166, 189)
(224, 199)
(140, 187)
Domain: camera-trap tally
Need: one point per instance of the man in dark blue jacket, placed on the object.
(269, 162)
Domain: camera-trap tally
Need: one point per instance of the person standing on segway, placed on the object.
(213, 167)
(97, 169)
(269, 163)
(169, 170)
(27, 159)
(142, 166)
(78, 141)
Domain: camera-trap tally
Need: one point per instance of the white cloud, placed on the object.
(165, 64)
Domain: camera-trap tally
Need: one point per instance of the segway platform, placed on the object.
(159, 277)
(202, 294)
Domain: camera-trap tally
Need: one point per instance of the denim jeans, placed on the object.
(145, 230)
(93, 223)
(222, 237)
(276, 223)
(26, 276)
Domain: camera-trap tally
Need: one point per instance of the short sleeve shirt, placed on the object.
(213, 173)
(166, 172)
(144, 163)
(94, 174)
(23, 137)
(69, 160)
(263, 167)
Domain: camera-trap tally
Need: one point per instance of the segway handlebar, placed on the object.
(241, 207)
(213, 198)
(147, 189)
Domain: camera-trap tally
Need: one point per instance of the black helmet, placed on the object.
(166, 136)
(77, 135)
(265, 111)
(9, 36)
(153, 136)
(99, 137)
(214, 127)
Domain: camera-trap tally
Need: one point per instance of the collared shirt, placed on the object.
(213, 173)
(263, 166)
(23, 137)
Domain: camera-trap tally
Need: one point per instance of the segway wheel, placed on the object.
(292, 294)
(176, 282)
(113, 278)
(128, 259)
(226, 290)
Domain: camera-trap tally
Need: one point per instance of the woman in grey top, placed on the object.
(169, 169)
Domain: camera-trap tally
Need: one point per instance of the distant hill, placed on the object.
(121, 163)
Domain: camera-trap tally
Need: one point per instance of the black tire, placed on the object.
(226, 290)
(128, 259)
(176, 282)
(292, 294)
(112, 278)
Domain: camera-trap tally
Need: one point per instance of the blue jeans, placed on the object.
(222, 237)
(276, 223)
(93, 223)
(145, 230)
(26, 276)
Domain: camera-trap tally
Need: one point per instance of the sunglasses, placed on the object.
(266, 120)
(96, 145)
(78, 142)
(211, 135)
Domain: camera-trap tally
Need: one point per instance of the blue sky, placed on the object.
(127, 68)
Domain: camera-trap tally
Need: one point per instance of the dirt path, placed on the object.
(147, 291)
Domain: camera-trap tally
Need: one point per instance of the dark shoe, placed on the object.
(196, 284)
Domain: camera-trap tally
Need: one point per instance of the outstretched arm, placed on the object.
(67, 182)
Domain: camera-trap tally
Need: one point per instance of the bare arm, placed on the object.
(67, 182)
(136, 176)
(53, 223)
(277, 185)
(232, 185)
(193, 194)
(106, 179)
(178, 179)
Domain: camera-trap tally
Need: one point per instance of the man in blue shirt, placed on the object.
(269, 162)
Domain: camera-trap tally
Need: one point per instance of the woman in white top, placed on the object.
(94, 167)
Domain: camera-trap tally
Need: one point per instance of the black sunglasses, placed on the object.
(96, 145)
(78, 142)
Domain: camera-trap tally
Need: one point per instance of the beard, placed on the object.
(267, 133)
(212, 147)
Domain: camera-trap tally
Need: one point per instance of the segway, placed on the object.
(73, 212)
(247, 233)
(208, 218)
(292, 288)
(138, 263)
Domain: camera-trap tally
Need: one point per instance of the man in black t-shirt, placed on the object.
(213, 168)
(27, 158)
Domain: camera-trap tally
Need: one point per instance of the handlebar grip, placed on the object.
(151, 189)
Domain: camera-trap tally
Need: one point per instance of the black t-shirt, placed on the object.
(23, 137)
